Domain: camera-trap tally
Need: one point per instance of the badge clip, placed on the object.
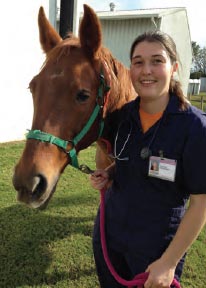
(161, 154)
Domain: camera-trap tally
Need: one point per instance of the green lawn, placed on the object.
(52, 248)
(196, 100)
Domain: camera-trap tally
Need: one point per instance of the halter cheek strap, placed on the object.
(63, 144)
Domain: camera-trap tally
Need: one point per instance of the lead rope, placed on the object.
(139, 279)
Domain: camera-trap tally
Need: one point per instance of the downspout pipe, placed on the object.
(66, 17)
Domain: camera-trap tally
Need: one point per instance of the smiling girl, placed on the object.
(148, 227)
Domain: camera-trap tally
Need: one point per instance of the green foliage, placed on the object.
(199, 59)
(53, 248)
(195, 75)
(195, 48)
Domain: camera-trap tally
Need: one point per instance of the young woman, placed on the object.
(148, 227)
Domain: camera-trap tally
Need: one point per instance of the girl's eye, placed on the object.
(137, 63)
(82, 96)
(157, 61)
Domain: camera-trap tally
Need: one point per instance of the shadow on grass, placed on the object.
(25, 238)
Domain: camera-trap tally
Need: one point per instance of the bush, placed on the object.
(196, 75)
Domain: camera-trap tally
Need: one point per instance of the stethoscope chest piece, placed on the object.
(145, 153)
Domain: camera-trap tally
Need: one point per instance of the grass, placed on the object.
(196, 100)
(52, 248)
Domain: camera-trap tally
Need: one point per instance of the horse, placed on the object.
(71, 103)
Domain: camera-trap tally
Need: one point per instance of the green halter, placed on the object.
(46, 137)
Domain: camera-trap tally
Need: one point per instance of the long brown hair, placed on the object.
(170, 46)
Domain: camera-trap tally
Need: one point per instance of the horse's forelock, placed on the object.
(62, 49)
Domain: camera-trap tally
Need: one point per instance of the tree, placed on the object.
(199, 59)
(195, 49)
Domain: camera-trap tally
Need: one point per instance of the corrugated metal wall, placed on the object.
(118, 35)
(203, 84)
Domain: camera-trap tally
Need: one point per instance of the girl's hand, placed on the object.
(99, 179)
(160, 275)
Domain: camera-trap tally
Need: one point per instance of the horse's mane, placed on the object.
(121, 88)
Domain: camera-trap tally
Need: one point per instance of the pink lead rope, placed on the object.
(139, 279)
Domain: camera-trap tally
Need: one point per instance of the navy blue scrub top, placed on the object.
(143, 212)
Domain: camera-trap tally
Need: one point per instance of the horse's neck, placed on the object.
(121, 92)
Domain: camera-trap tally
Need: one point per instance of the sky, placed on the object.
(195, 11)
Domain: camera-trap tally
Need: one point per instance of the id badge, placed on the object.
(162, 168)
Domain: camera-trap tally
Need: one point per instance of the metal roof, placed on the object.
(140, 13)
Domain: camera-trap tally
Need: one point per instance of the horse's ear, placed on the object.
(90, 32)
(48, 36)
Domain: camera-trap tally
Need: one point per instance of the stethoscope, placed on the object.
(145, 152)
(117, 155)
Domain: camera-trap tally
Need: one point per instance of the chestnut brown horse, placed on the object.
(70, 102)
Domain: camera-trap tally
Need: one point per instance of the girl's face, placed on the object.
(151, 70)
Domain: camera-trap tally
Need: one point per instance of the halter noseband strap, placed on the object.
(46, 137)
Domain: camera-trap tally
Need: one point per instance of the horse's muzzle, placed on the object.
(35, 191)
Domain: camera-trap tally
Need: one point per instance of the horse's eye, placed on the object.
(82, 96)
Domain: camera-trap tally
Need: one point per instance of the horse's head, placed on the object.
(66, 92)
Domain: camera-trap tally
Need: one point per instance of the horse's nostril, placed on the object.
(39, 186)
